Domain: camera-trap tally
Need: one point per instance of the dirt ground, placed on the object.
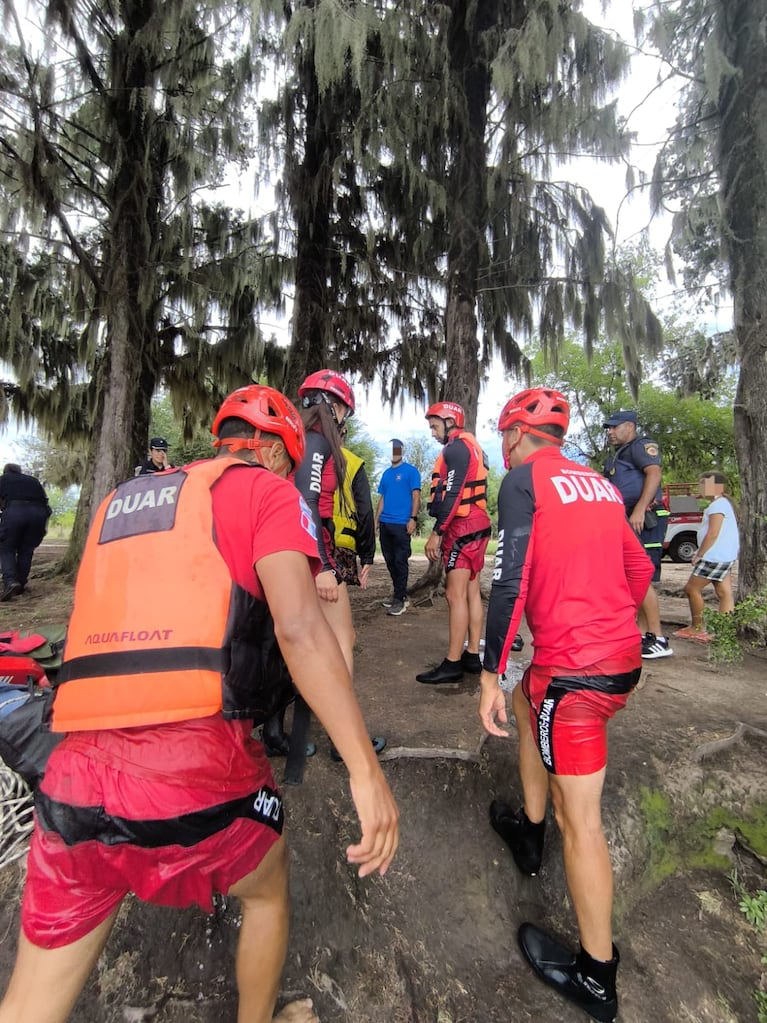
(435, 940)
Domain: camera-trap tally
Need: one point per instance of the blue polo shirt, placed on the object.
(397, 486)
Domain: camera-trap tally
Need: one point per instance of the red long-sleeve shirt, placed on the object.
(568, 558)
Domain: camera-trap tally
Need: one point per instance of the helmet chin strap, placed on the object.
(446, 438)
(523, 429)
(234, 444)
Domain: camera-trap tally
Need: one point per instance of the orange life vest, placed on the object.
(185, 645)
(474, 493)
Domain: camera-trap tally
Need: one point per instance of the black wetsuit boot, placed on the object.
(587, 982)
(524, 838)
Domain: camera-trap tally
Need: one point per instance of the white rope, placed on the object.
(16, 801)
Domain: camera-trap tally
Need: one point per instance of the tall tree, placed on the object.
(715, 164)
(423, 149)
(105, 137)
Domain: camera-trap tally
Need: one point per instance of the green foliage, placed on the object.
(57, 466)
(753, 906)
(694, 434)
(149, 105)
(659, 828)
(358, 441)
(727, 630)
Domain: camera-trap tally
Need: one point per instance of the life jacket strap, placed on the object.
(131, 662)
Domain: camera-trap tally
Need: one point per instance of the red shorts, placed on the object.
(461, 549)
(106, 825)
(569, 713)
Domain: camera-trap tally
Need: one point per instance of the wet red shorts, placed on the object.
(569, 713)
(107, 824)
(465, 550)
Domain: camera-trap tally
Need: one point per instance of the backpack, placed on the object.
(25, 744)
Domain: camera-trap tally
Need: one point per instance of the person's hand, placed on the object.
(363, 575)
(695, 558)
(636, 518)
(492, 705)
(433, 547)
(410, 527)
(378, 816)
(327, 586)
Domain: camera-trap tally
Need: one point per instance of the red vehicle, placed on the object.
(685, 515)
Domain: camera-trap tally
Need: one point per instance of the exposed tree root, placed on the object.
(434, 752)
(745, 845)
(709, 749)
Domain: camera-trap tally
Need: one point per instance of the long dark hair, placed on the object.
(321, 416)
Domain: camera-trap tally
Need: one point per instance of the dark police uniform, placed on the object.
(25, 513)
(625, 469)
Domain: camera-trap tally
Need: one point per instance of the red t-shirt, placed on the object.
(569, 559)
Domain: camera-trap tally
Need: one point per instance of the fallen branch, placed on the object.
(434, 752)
(708, 749)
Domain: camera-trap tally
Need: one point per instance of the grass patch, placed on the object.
(679, 841)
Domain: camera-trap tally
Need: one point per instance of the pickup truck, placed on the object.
(685, 515)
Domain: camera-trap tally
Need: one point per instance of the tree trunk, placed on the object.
(310, 187)
(743, 169)
(129, 302)
(467, 203)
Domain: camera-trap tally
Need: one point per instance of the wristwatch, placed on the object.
(414, 518)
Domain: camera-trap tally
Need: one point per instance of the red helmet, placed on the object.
(537, 406)
(326, 381)
(447, 410)
(267, 410)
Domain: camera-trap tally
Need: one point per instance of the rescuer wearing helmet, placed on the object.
(327, 402)
(458, 503)
(159, 787)
(580, 599)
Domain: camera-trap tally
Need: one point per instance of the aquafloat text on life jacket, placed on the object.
(146, 647)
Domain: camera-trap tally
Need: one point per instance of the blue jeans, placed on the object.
(395, 547)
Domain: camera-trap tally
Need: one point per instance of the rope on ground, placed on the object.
(16, 803)
(709, 749)
(434, 752)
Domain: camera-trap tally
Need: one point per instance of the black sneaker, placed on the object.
(398, 607)
(448, 671)
(524, 839)
(655, 646)
(588, 983)
(517, 645)
(388, 602)
(11, 590)
(471, 663)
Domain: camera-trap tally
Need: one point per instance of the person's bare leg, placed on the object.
(723, 591)
(476, 615)
(263, 942)
(338, 615)
(46, 982)
(693, 589)
(457, 596)
(577, 806)
(534, 776)
(648, 617)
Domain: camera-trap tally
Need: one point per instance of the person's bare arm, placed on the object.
(319, 671)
